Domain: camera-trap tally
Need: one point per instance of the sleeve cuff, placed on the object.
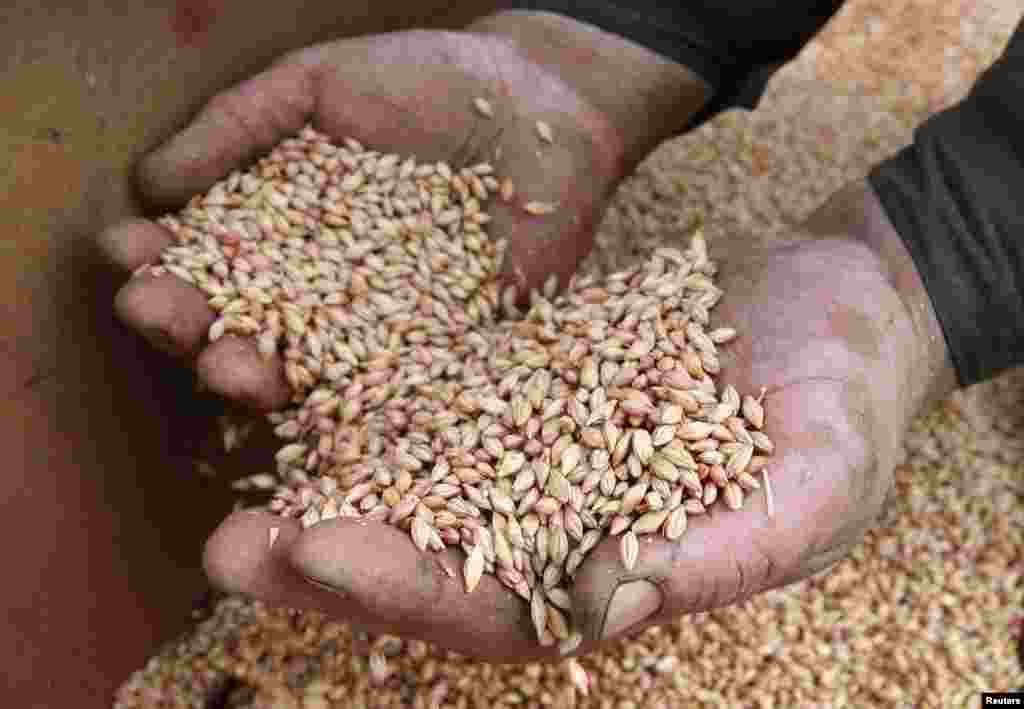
(679, 34)
(953, 196)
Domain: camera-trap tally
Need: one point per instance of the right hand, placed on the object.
(835, 324)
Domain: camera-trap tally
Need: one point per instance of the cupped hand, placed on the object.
(411, 93)
(844, 365)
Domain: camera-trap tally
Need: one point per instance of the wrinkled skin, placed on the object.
(822, 327)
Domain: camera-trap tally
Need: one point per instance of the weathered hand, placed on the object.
(847, 360)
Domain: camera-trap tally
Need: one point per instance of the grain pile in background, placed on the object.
(925, 613)
(524, 440)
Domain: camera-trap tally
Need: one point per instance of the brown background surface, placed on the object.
(103, 517)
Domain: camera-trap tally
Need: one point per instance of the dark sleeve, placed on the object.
(734, 45)
(956, 197)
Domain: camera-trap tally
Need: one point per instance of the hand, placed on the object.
(411, 93)
(836, 325)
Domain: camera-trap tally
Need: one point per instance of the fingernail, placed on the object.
(324, 586)
(161, 340)
(632, 603)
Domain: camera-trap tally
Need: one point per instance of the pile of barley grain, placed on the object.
(523, 440)
(926, 612)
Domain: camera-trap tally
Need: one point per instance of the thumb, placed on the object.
(609, 600)
(379, 579)
(234, 127)
(717, 562)
(797, 521)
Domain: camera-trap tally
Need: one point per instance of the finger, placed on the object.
(541, 247)
(700, 572)
(381, 580)
(549, 244)
(726, 556)
(133, 243)
(170, 313)
(240, 558)
(234, 127)
(233, 368)
(174, 317)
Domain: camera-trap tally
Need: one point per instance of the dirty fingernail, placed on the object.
(324, 586)
(631, 603)
(161, 340)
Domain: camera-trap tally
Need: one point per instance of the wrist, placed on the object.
(856, 213)
(645, 97)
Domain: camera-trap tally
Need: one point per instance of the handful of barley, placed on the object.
(424, 398)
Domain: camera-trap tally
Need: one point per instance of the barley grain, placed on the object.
(473, 568)
(557, 623)
(762, 442)
(570, 644)
(544, 131)
(739, 461)
(733, 495)
(420, 533)
(675, 525)
(578, 676)
(722, 335)
(507, 190)
(539, 208)
(629, 549)
(649, 522)
(753, 411)
(539, 612)
(483, 107)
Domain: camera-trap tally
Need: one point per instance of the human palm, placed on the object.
(820, 328)
(827, 338)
